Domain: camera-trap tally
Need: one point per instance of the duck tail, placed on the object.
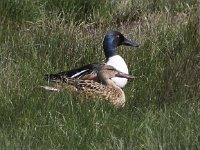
(49, 88)
(53, 78)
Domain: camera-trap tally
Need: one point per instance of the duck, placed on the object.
(104, 89)
(111, 41)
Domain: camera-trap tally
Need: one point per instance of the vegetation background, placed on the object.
(46, 36)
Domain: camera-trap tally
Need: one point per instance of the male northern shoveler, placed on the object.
(105, 89)
(111, 41)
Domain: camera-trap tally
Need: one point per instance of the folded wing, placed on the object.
(87, 72)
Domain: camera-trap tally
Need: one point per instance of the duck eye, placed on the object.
(111, 69)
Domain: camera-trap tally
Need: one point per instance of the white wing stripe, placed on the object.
(77, 74)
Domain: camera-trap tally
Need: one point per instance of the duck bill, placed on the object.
(130, 43)
(124, 75)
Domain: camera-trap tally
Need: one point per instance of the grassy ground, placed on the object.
(162, 109)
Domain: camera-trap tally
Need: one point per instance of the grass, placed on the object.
(162, 108)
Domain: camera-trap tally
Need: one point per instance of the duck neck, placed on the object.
(109, 52)
(110, 83)
(109, 47)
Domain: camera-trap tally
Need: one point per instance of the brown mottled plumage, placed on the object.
(106, 89)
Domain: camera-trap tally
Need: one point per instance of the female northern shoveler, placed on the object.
(104, 89)
(111, 41)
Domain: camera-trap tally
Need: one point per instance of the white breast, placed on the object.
(119, 63)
